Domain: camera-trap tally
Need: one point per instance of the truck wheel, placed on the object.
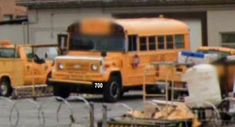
(112, 89)
(5, 88)
(61, 91)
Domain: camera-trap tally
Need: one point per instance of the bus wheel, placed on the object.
(112, 90)
(5, 88)
(61, 91)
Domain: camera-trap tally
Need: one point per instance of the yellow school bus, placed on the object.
(108, 56)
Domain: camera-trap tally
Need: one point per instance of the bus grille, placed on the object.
(78, 66)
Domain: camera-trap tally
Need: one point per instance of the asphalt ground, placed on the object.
(28, 111)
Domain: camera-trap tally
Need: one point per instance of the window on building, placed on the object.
(132, 43)
(161, 42)
(7, 17)
(21, 17)
(143, 43)
(152, 43)
(179, 41)
(228, 37)
(169, 42)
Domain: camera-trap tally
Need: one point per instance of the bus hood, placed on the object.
(79, 58)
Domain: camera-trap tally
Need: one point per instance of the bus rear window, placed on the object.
(161, 42)
(179, 41)
(143, 43)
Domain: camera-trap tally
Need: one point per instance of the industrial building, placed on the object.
(211, 22)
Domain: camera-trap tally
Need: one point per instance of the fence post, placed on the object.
(104, 120)
(92, 115)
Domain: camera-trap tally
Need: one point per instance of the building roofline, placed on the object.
(50, 4)
(15, 21)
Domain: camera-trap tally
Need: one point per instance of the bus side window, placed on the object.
(152, 43)
(169, 42)
(143, 43)
(132, 43)
(179, 41)
(161, 42)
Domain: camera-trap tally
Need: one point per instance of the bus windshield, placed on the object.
(97, 43)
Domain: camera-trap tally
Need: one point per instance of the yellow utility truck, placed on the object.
(21, 67)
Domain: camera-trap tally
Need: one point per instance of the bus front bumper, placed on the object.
(76, 86)
(70, 81)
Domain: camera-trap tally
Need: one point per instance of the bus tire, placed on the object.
(112, 89)
(5, 88)
(61, 91)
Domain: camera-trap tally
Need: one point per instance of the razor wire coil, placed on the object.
(15, 116)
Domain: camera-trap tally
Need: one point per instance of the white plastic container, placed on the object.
(203, 85)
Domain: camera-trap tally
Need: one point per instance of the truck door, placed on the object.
(34, 71)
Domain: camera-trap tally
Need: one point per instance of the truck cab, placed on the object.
(21, 67)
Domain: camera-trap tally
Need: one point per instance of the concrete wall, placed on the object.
(46, 24)
(195, 33)
(219, 21)
(15, 33)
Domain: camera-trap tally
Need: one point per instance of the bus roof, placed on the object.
(137, 26)
(153, 26)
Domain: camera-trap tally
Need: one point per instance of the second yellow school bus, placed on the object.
(107, 56)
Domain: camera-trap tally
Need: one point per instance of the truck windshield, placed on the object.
(8, 53)
(98, 43)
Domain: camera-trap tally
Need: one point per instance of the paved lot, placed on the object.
(29, 113)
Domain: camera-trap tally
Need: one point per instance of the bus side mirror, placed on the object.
(62, 43)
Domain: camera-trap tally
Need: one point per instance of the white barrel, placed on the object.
(203, 85)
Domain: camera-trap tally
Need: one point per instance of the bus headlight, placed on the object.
(61, 66)
(94, 67)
